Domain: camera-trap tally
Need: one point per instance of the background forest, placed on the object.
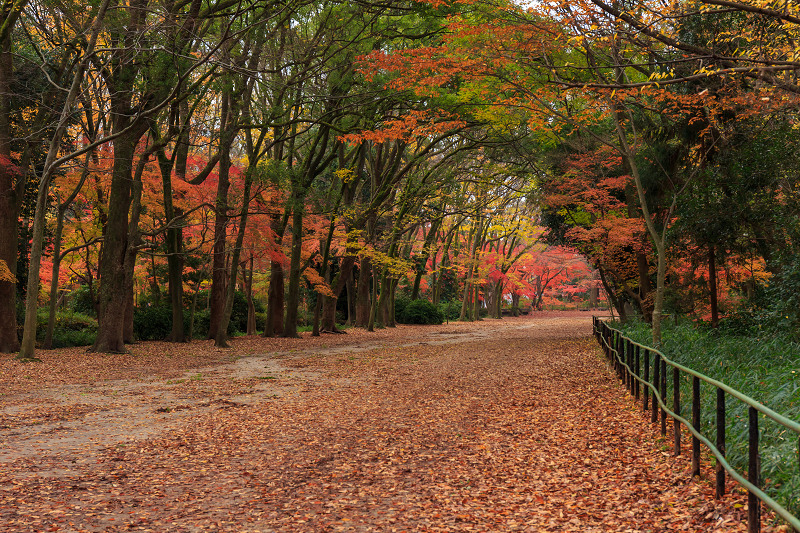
(195, 168)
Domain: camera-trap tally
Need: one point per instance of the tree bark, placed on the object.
(9, 207)
(293, 293)
(712, 286)
(112, 297)
(363, 303)
(219, 270)
(251, 308)
(274, 325)
(337, 286)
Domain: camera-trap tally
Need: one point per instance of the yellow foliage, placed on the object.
(5, 273)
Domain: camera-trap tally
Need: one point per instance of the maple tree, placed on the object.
(423, 152)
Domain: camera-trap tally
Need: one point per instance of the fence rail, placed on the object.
(633, 363)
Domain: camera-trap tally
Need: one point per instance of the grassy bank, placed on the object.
(765, 367)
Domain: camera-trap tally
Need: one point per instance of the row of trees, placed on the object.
(664, 134)
(222, 142)
(346, 146)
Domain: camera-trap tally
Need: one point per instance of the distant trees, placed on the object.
(180, 151)
(327, 156)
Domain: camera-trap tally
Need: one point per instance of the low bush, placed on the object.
(70, 328)
(152, 323)
(401, 301)
(80, 301)
(450, 310)
(421, 312)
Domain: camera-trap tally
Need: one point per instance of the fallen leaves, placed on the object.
(512, 428)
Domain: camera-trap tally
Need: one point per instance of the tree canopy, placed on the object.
(250, 165)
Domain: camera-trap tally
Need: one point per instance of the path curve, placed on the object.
(510, 426)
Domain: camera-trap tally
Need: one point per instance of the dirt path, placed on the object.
(500, 426)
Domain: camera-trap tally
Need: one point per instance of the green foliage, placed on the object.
(401, 301)
(765, 367)
(421, 312)
(202, 319)
(451, 310)
(238, 323)
(152, 323)
(71, 328)
(772, 309)
(80, 301)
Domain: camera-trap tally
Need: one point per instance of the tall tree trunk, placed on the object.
(643, 265)
(251, 307)
(134, 240)
(51, 311)
(337, 286)
(293, 293)
(373, 301)
(363, 303)
(383, 300)
(219, 270)
(112, 295)
(174, 240)
(9, 207)
(466, 306)
(712, 286)
(275, 304)
(351, 301)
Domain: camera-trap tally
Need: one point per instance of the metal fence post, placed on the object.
(753, 474)
(720, 444)
(638, 372)
(628, 358)
(645, 390)
(696, 424)
(676, 408)
(664, 397)
(656, 384)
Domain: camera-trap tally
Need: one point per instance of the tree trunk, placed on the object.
(351, 301)
(466, 306)
(9, 341)
(251, 307)
(392, 294)
(338, 285)
(498, 296)
(219, 270)
(712, 286)
(644, 286)
(51, 311)
(274, 325)
(293, 293)
(112, 297)
(373, 301)
(363, 303)
(383, 300)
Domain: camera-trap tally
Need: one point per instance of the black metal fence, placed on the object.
(645, 372)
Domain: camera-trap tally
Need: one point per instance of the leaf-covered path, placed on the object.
(500, 426)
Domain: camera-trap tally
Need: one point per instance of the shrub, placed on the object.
(70, 328)
(80, 301)
(450, 310)
(401, 301)
(421, 312)
(152, 323)
(202, 318)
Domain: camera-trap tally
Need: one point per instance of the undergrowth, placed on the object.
(765, 367)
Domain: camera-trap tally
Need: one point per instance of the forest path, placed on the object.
(513, 425)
